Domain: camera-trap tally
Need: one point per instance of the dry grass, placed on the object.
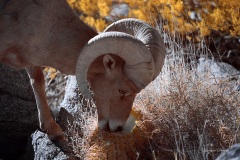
(55, 89)
(187, 113)
(194, 111)
(192, 118)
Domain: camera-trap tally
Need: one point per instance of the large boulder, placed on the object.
(18, 114)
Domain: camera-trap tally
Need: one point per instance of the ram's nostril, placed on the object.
(119, 129)
(107, 127)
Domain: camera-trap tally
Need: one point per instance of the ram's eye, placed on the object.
(122, 91)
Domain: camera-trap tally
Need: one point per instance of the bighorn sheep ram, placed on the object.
(117, 64)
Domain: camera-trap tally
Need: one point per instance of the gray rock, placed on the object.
(217, 69)
(43, 147)
(232, 153)
(18, 113)
(119, 10)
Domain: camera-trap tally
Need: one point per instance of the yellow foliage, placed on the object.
(100, 24)
(104, 7)
(89, 20)
(51, 72)
(184, 16)
(92, 12)
(89, 7)
(203, 28)
(178, 7)
(220, 15)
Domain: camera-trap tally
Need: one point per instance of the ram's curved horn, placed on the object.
(129, 48)
(143, 52)
(148, 35)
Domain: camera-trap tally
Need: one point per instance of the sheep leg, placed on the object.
(46, 121)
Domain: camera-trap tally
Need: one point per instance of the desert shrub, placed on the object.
(193, 112)
(192, 119)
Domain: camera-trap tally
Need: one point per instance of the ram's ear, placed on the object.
(109, 63)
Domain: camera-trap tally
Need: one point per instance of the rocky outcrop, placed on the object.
(18, 114)
(233, 153)
(44, 149)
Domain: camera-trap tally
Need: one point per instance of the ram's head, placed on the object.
(117, 64)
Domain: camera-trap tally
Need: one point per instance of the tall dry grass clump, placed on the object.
(190, 112)
(194, 109)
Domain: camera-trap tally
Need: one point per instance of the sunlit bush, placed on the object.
(92, 12)
(188, 16)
